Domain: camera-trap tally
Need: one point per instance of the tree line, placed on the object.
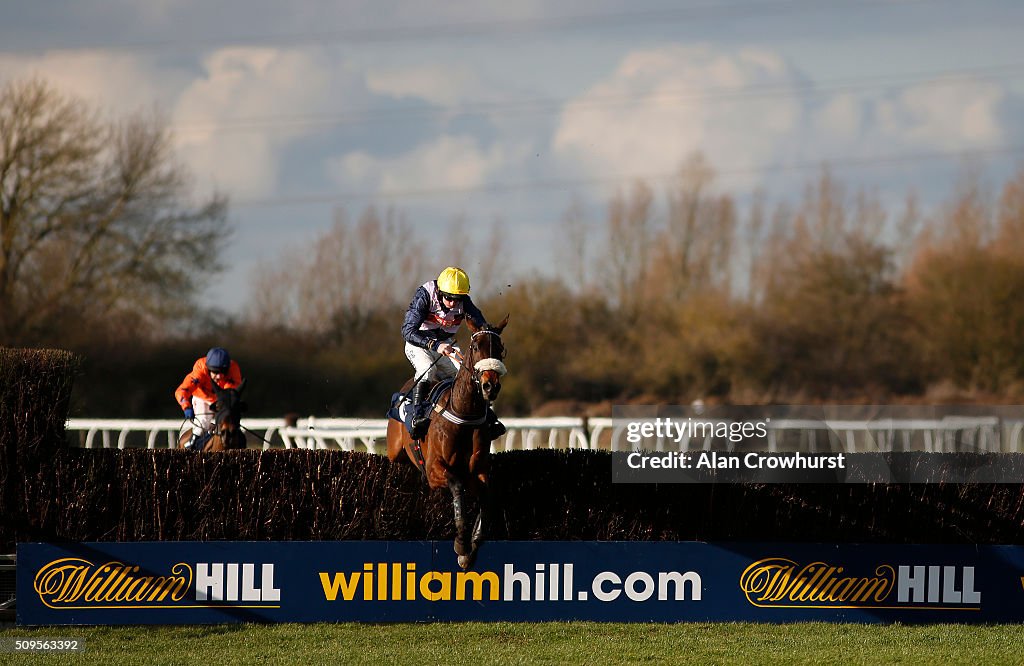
(670, 295)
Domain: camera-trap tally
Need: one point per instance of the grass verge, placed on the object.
(543, 643)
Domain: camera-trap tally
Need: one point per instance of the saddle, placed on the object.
(401, 406)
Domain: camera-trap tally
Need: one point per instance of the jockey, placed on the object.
(196, 396)
(437, 310)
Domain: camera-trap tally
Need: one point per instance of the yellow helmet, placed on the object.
(454, 281)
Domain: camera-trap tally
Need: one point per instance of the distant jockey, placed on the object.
(196, 394)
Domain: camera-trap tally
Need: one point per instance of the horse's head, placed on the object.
(228, 410)
(486, 351)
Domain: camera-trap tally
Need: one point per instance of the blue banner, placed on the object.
(400, 581)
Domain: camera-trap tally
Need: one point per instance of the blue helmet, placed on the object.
(218, 359)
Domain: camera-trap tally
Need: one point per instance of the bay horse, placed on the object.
(454, 453)
(227, 422)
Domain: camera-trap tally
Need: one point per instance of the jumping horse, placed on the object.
(454, 453)
(227, 419)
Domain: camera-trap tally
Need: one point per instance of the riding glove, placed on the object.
(190, 414)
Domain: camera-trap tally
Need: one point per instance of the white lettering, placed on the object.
(599, 591)
(971, 596)
(209, 581)
(910, 583)
(678, 581)
(639, 577)
(512, 578)
(231, 586)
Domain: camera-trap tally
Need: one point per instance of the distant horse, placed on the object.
(454, 453)
(227, 422)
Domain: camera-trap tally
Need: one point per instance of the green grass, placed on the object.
(546, 643)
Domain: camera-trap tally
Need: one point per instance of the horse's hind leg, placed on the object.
(483, 519)
(480, 465)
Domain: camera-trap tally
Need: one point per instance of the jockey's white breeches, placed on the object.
(421, 359)
(204, 416)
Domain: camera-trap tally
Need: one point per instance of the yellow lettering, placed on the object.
(144, 584)
(444, 593)
(126, 587)
(396, 581)
(382, 581)
(346, 584)
(842, 590)
(815, 585)
(871, 587)
(410, 582)
(162, 586)
(477, 580)
(368, 582)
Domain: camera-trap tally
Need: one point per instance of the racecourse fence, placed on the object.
(559, 492)
(986, 434)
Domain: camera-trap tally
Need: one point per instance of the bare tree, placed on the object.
(755, 236)
(629, 245)
(455, 246)
(490, 264)
(696, 247)
(1010, 221)
(572, 248)
(347, 275)
(94, 220)
(968, 220)
(908, 232)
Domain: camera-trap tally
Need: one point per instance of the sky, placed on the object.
(503, 114)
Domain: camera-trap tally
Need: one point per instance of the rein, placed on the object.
(417, 379)
(254, 435)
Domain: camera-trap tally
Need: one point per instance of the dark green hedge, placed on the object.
(53, 493)
(35, 391)
(111, 495)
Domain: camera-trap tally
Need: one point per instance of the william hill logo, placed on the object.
(77, 583)
(782, 583)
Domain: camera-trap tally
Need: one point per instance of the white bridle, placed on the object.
(485, 364)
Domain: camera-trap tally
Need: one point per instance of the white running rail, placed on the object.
(347, 434)
(949, 434)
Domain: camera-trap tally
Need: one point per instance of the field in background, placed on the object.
(554, 643)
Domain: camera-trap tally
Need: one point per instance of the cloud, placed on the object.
(230, 115)
(924, 118)
(661, 105)
(437, 84)
(748, 110)
(111, 81)
(842, 115)
(952, 116)
(249, 105)
(448, 162)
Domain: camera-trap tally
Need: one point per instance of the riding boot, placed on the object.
(493, 428)
(420, 421)
(196, 442)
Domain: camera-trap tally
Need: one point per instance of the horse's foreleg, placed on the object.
(455, 486)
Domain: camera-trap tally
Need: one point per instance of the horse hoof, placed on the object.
(460, 549)
(466, 561)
